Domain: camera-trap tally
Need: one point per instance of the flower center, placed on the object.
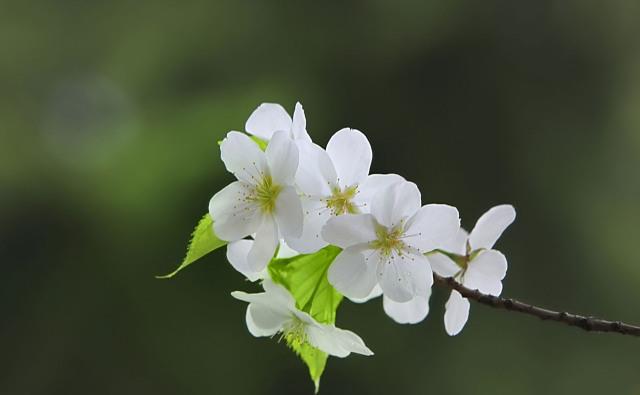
(265, 194)
(340, 201)
(294, 333)
(389, 240)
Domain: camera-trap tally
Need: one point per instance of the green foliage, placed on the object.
(261, 143)
(203, 241)
(305, 276)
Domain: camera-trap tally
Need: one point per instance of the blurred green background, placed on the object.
(109, 116)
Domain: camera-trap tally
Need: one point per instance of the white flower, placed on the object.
(263, 202)
(387, 247)
(269, 118)
(274, 311)
(473, 263)
(335, 182)
(238, 254)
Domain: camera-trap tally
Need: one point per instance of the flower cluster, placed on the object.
(295, 197)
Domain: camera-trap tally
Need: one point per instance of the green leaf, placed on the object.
(305, 276)
(203, 241)
(315, 359)
(261, 143)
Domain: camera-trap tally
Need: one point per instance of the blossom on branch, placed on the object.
(471, 261)
(263, 202)
(270, 118)
(274, 312)
(335, 182)
(386, 247)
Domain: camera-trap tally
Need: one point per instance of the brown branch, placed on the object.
(590, 324)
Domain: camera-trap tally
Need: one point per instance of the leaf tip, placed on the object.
(316, 383)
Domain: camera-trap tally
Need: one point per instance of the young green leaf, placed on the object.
(203, 241)
(305, 276)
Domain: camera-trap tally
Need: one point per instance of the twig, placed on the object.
(590, 324)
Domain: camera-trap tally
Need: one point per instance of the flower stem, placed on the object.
(590, 324)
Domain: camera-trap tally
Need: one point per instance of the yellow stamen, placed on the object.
(340, 201)
(265, 194)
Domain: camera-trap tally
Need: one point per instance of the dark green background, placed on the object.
(109, 116)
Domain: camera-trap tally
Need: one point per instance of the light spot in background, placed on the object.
(87, 119)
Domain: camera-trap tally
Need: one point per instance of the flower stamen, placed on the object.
(340, 201)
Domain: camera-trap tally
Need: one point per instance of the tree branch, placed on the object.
(590, 324)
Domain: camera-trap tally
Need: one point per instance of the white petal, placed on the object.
(322, 338)
(277, 301)
(316, 174)
(442, 265)
(282, 157)
(335, 341)
(491, 225)
(267, 119)
(375, 292)
(233, 216)
(402, 277)
(243, 157)
(350, 229)
(299, 126)
(432, 226)
(316, 216)
(372, 186)
(285, 251)
(279, 295)
(396, 203)
(288, 213)
(351, 155)
(350, 341)
(411, 312)
(263, 321)
(486, 272)
(456, 314)
(457, 244)
(237, 255)
(264, 247)
(351, 274)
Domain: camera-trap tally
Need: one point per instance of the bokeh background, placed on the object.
(109, 117)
